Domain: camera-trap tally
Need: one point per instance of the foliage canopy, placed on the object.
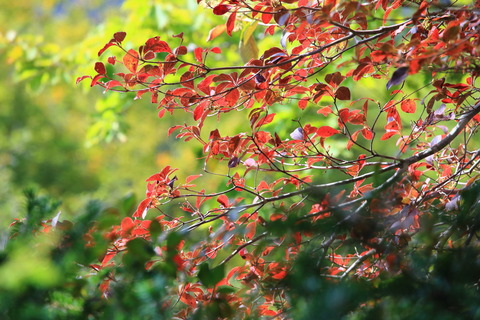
(366, 207)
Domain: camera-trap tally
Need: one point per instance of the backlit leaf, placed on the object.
(230, 25)
(119, 36)
(221, 9)
(216, 31)
(100, 68)
(130, 60)
(408, 106)
(326, 131)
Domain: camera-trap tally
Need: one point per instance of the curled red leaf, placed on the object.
(119, 36)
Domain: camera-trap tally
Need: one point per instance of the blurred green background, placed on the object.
(71, 141)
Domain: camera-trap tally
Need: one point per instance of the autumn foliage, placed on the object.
(349, 197)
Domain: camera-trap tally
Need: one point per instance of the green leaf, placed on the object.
(226, 289)
(155, 229)
(139, 252)
(210, 277)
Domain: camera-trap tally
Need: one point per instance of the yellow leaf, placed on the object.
(248, 46)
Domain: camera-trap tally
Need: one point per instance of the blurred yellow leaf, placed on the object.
(248, 46)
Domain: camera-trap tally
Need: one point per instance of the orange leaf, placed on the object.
(130, 60)
(388, 135)
(250, 230)
(325, 110)
(216, 31)
(191, 178)
(188, 300)
(409, 106)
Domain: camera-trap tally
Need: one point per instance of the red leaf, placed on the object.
(108, 256)
(108, 45)
(127, 224)
(180, 35)
(262, 186)
(342, 93)
(232, 97)
(280, 275)
(198, 52)
(268, 312)
(265, 120)
(216, 50)
(119, 36)
(231, 23)
(112, 83)
(388, 135)
(130, 60)
(356, 118)
(191, 178)
(155, 177)
(302, 103)
(161, 113)
(198, 112)
(157, 45)
(378, 55)
(326, 131)
(250, 230)
(223, 200)
(221, 9)
(267, 17)
(186, 80)
(367, 133)
(181, 50)
(179, 262)
(409, 106)
(142, 208)
(140, 94)
(96, 79)
(79, 79)
(100, 68)
(173, 129)
(325, 110)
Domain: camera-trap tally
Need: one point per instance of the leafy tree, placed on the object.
(328, 202)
